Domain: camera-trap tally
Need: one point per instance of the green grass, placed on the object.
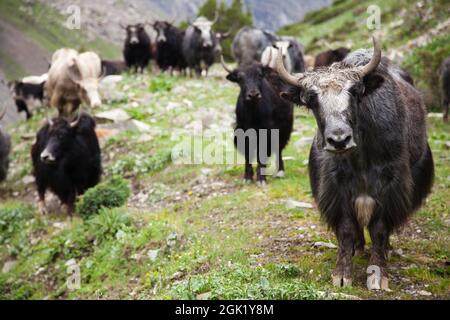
(192, 239)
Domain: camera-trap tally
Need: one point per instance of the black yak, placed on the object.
(169, 54)
(262, 113)
(113, 67)
(200, 45)
(5, 149)
(444, 73)
(137, 47)
(370, 164)
(66, 159)
(26, 95)
(329, 57)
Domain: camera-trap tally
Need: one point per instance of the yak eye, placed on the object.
(309, 98)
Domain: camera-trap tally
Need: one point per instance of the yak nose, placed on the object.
(340, 140)
(253, 94)
(46, 156)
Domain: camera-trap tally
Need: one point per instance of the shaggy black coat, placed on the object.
(445, 86)
(198, 57)
(260, 107)
(137, 55)
(169, 53)
(77, 166)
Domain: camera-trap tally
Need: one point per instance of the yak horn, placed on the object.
(49, 120)
(216, 16)
(374, 61)
(284, 74)
(3, 113)
(224, 65)
(77, 119)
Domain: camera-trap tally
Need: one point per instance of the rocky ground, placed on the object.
(196, 231)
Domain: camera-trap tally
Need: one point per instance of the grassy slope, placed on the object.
(44, 26)
(214, 235)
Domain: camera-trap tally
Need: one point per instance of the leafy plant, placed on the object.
(109, 194)
(108, 224)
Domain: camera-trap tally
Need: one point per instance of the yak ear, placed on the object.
(292, 94)
(233, 76)
(372, 82)
(286, 91)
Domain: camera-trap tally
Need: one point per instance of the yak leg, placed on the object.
(345, 232)
(380, 241)
(445, 116)
(360, 242)
(41, 205)
(70, 203)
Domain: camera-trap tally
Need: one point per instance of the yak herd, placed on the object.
(370, 165)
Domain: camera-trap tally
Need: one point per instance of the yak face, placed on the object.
(160, 28)
(60, 135)
(202, 27)
(250, 79)
(134, 32)
(89, 92)
(334, 95)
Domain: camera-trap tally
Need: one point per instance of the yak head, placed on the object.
(333, 94)
(161, 28)
(203, 27)
(134, 32)
(88, 85)
(250, 79)
(60, 135)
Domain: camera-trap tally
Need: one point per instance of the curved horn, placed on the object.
(77, 119)
(284, 74)
(49, 120)
(216, 17)
(3, 113)
(224, 65)
(374, 61)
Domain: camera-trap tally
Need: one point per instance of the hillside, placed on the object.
(197, 231)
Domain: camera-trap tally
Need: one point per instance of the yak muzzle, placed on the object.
(47, 157)
(339, 140)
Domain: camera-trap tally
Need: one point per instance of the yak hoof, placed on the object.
(340, 281)
(261, 183)
(247, 181)
(42, 208)
(280, 174)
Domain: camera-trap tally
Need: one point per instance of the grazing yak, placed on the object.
(137, 48)
(113, 67)
(291, 52)
(249, 44)
(327, 58)
(73, 79)
(370, 164)
(169, 54)
(260, 111)
(66, 159)
(27, 95)
(444, 73)
(200, 45)
(5, 149)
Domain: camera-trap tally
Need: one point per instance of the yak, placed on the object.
(328, 57)
(66, 159)
(113, 67)
(200, 45)
(27, 94)
(169, 54)
(137, 47)
(444, 73)
(292, 55)
(5, 149)
(370, 164)
(259, 110)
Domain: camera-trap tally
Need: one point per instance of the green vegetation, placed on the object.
(110, 194)
(423, 65)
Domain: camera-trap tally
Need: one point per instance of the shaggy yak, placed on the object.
(66, 159)
(260, 108)
(370, 164)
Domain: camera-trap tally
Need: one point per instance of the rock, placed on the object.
(152, 254)
(8, 266)
(27, 180)
(177, 276)
(447, 145)
(287, 158)
(424, 293)
(145, 138)
(435, 115)
(204, 296)
(292, 204)
(325, 244)
(398, 252)
(115, 115)
(140, 126)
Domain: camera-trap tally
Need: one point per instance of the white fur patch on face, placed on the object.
(333, 101)
(364, 206)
